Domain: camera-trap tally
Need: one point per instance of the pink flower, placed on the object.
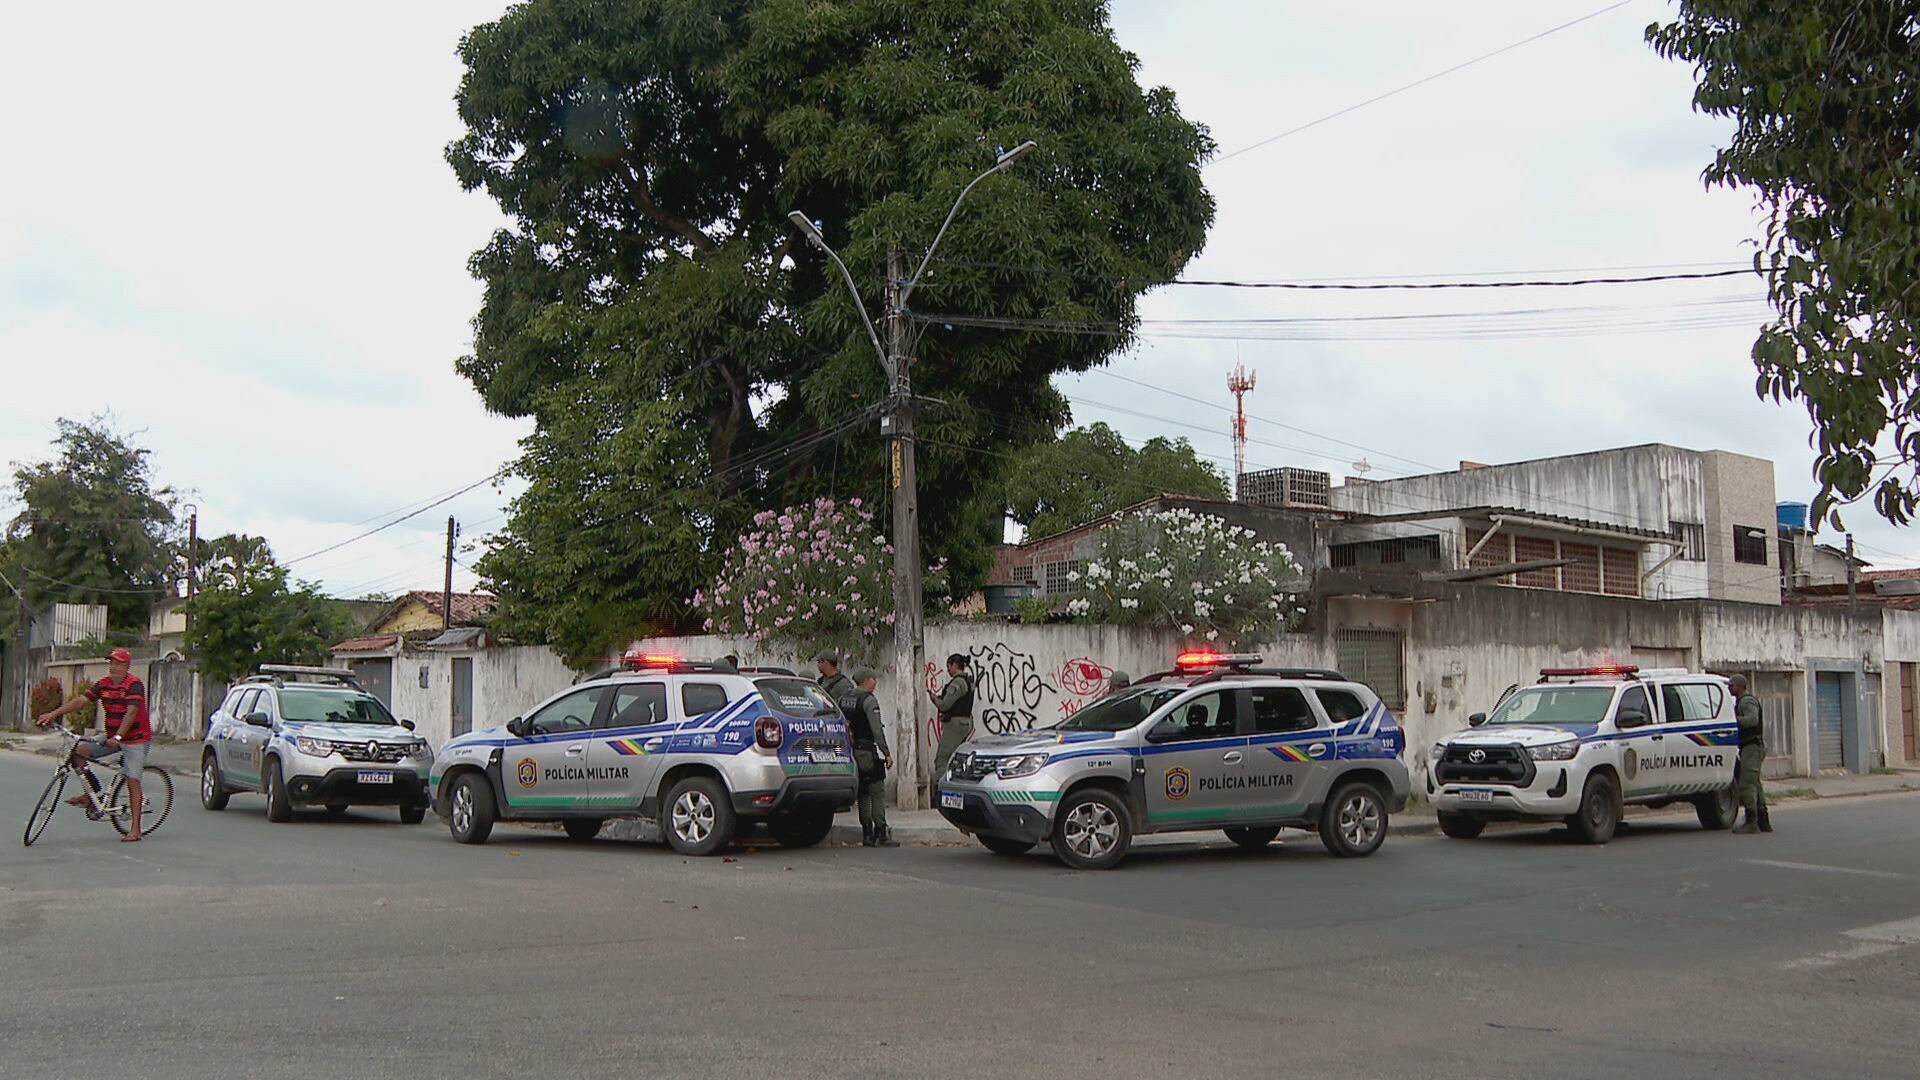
(855, 598)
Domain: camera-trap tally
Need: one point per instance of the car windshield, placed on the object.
(796, 697)
(1555, 705)
(1120, 711)
(327, 705)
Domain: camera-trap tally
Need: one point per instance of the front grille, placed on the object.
(383, 753)
(967, 766)
(1497, 765)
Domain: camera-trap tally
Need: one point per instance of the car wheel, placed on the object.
(699, 819)
(1092, 831)
(800, 830)
(1354, 823)
(213, 786)
(1599, 813)
(1717, 810)
(1006, 845)
(279, 807)
(470, 809)
(412, 815)
(1253, 839)
(579, 828)
(1461, 826)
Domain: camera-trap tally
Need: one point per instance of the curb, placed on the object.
(46, 752)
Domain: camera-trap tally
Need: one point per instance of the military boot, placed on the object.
(867, 834)
(1766, 820)
(884, 836)
(1748, 826)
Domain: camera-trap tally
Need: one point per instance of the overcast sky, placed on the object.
(231, 225)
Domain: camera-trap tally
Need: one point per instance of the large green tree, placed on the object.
(1826, 96)
(93, 526)
(647, 153)
(1091, 472)
(248, 613)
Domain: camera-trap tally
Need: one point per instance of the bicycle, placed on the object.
(156, 796)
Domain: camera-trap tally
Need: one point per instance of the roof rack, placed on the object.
(281, 674)
(1322, 674)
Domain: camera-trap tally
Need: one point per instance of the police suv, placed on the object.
(1581, 743)
(697, 751)
(308, 736)
(1217, 743)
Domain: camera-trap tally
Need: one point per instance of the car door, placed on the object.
(547, 768)
(1698, 755)
(238, 746)
(1643, 749)
(1195, 757)
(1291, 750)
(251, 741)
(624, 759)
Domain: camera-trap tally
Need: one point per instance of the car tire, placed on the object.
(582, 828)
(1718, 809)
(1253, 839)
(1092, 830)
(213, 786)
(279, 807)
(1460, 826)
(1353, 824)
(470, 813)
(799, 830)
(698, 819)
(1005, 845)
(412, 815)
(1599, 813)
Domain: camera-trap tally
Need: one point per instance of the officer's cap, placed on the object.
(828, 656)
(860, 675)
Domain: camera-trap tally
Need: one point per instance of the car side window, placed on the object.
(571, 713)
(1281, 708)
(1691, 701)
(635, 704)
(1340, 705)
(1635, 698)
(242, 704)
(700, 698)
(1209, 716)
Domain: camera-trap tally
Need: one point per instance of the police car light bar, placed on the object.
(1603, 669)
(640, 661)
(1208, 659)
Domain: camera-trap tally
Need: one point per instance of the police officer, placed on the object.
(870, 756)
(954, 702)
(832, 681)
(1753, 756)
(1117, 682)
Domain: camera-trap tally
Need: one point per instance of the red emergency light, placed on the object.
(1601, 670)
(640, 661)
(1187, 660)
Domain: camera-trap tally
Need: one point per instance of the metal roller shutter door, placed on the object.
(1829, 720)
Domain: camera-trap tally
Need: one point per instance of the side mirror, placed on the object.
(259, 719)
(1629, 718)
(408, 724)
(1476, 719)
(517, 728)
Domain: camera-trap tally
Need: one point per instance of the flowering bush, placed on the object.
(47, 695)
(1189, 572)
(809, 576)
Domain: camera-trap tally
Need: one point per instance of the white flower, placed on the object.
(1078, 607)
(1073, 575)
(1213, 635)
(1129, 603)
(1186, 628)
(1202, 609)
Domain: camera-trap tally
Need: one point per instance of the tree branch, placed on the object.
(636, 176)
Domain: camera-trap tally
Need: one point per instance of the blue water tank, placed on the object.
(1791, 515)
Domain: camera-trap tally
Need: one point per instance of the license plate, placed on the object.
(370, 777)
(822, 757)
(952, 800)
(1476, 796)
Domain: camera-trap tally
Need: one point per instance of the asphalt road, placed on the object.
(225, 946)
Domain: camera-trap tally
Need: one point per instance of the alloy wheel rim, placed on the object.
(1092, 830)
(462, 809)
(1359, 821)
(206, 782)
(693, 817)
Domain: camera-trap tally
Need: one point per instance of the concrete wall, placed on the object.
(507, 682)
(1739, 494)
(1643, 487)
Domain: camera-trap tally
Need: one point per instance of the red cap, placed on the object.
(121, 655)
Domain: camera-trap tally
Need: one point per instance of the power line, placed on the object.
(1416, 83)
(1535, 284)
(497, 474)
(1505, 279)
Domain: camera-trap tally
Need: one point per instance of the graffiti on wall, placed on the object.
(1018, 691)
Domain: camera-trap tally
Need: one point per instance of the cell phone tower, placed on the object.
(1241, 383)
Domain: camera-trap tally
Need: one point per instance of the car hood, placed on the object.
(1038, 741)
(1523, 734)
(381, 733)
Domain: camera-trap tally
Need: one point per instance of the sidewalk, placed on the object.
(928, 827)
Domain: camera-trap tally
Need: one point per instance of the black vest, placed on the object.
(963, 707)
(853, 705)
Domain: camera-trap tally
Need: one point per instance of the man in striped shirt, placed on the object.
(123, 700)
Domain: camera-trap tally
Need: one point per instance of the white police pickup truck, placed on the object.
(1583, 742)
(697, 751)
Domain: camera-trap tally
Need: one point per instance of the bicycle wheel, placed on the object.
(43, 810)
(156, 797)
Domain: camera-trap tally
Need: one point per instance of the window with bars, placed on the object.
(1022, 575)
(1583, 573)
(1619, 571)
(1750, 545)
(1693, 540)
(1375, 657)
(1533, 549)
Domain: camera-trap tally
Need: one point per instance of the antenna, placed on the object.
(1240, 383)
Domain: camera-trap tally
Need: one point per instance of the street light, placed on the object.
(909, 638)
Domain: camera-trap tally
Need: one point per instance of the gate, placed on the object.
(462, 694)
(1829, 720)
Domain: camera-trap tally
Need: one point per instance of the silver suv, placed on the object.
(698, 752)
(1217, 743)
(306, 736)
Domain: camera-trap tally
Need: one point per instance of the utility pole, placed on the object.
(909, 634)
(446, 589)
(194, 699)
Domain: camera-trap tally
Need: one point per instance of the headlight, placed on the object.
(1559, 751)
(1024, 765)
(314, 747)
(1439, 752)
(420, 750)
